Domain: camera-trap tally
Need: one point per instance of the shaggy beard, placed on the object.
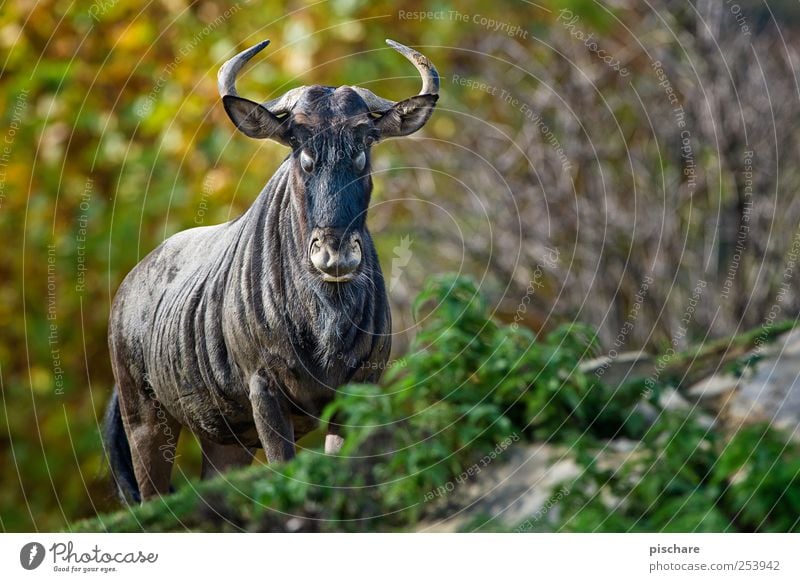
(334, 306)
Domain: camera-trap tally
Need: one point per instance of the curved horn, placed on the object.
(226, 81)
(226, 78)
(430, 78)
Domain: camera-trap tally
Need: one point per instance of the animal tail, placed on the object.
(118, 451)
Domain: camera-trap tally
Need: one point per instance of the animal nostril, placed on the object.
(336, 259)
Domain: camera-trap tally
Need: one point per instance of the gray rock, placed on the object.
(786, 343)
(773, 392)
(624, 367)
(523, 483)
(713, 387)
(671, 400)
(768, 393)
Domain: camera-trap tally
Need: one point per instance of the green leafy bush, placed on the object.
(468, 388)
(683, 477)
(467, 385)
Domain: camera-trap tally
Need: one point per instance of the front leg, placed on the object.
(273, 420)
(334, 441)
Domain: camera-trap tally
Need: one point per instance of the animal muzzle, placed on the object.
(335, 254)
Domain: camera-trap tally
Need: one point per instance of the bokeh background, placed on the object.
(580, 147)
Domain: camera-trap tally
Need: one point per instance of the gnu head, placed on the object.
(330, 131)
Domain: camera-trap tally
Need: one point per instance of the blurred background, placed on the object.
(627, 165)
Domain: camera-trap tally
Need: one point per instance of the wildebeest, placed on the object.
(242, 332)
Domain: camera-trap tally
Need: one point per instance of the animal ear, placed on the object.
(406, 117)
(253, 119)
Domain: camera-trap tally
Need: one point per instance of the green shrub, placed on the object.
(468, 389)
(684, 477)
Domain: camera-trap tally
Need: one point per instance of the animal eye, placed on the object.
(360, 160)
(306, 162)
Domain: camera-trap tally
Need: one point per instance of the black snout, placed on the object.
(334, 254)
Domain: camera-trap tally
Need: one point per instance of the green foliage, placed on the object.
(761, 470)
(683, 477)
(469, 385)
